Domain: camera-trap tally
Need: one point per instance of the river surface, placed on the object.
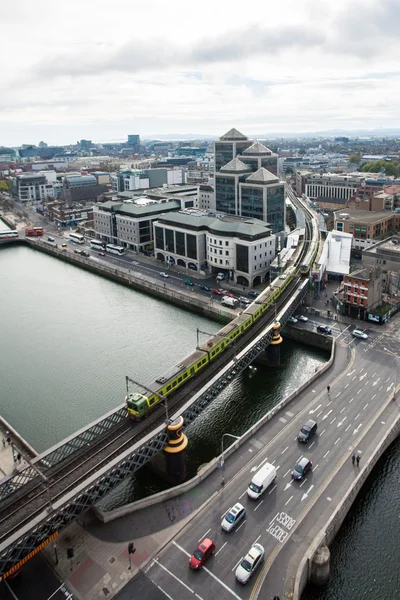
(68, 340)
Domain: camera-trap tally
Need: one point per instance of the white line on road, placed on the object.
(216, 554)
(337, 395)
(322, 432)
(263, 461)
(348, 427)
(365, 406)
(241, 525)
(236, 564)
(326, 454)
(303, 482)
(381, 388)
(344, 408)
(357, 416)
(320, 412)
(273, 518)
(203, 536)
(286, 503)
(275, 486)
(198, 596)
(373, 396)
(346, 386)
(359, 392)
(330, 402)
(255, 541)
(283, 451)
(336, 441)
(333, 420)
(240, 497)
(316, 467)
(221, 582)
(350, 401)
(164, 592)
(288, 471)
(258, 505)
(355, 377)
(182, 549)
(174, 576)
(311, 445)
(278, 467)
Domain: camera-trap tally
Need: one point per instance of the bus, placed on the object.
(5, 235)
(97, 245)
(34, 231)
(115, 249)
(77, 238)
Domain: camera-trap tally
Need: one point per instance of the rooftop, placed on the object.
(234, 135)
(362, 216)
(364, 274)
(257, 149)
(134, 210)
(235, 166)
(262, 176)
(388, 246)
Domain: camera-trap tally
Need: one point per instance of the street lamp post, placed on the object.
(395, 371)
(222, 454)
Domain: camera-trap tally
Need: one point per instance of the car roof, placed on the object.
(254, 552)
(310, 423)
(303, 461)
(235, 509)
(206, 543)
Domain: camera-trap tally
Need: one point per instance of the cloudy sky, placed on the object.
(103, 69)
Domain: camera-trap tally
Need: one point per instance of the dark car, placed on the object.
(252, 294)
(307, 431)
(324, 329)
(205, 549)
(188, 281)
(205, 288)
(301, 468)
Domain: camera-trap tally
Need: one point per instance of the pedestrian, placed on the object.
(8, 440)
(328, 388)
(4, 442)
(19, 456)
(358, 461)
(353, 458)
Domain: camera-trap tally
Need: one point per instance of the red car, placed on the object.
(230, 295)
(205, 549)
(218, 292)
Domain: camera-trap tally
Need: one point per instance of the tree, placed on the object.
(5, 185)
(354, 158)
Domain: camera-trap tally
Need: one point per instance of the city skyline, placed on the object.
(291, 68)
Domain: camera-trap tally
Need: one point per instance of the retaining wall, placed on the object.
(328, 534)
(106, 516)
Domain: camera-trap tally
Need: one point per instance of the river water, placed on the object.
(68, 340)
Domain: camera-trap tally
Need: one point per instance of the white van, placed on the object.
(261, 480)
(228, 301)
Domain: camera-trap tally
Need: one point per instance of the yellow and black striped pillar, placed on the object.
(274, 351)
(175, 451)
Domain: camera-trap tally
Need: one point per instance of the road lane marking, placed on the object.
(327, 415)
(348, 427)
(311, 445)
(321, 411)
(203, 536)
(346, 386)
(326, 454)
(316, 467)
(286, 503)
(282, 420)
(355, 418)
(163, 591)
(182, 549)
(336, 441)
(289, 414)
(200, 598)
(263, 461)
(272, 520)
(305, 495)
(275, 486)
(258, 505)
(373, 396)
(359, 392)
(333, 420)
(287, 486)
(341, 422)
(240, 497)
(237, 564)
(330, 402)
(216, 554)
(288, 471)
(365, 406)
(356, 430)
(255, 541)
(221, 582)
(322, 433)
(350, 401)
(344, 408)
(303, 482)
(337, 395)
(311, 412)
(174, 576)
(283, 451)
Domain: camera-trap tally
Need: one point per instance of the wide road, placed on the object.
(343, 416)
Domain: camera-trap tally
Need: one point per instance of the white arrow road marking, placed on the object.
(362, 377)
(351, 373)
(306, 493)
(341, 422)
(327, 415)
(311, 412)
(356, 430)
(253, 469)
(287, 486)
(389, 388)
(377, 381)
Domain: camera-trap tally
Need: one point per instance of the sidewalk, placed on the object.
(9, 454)
(100, 566)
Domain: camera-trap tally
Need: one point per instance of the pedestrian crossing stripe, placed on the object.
(28, 556)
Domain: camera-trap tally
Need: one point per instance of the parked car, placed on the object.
(101, 253)
(229, 294)
(324, 329)
(205, 549)
(244, 300)
(252, 294)
(307, 431)
(292, 320)
(218, 292)
(188, 281)
(205, 288)
(233, 517)
(249, 563)
(301, 318)
(301, 468)
(359, 333)
(165, 275)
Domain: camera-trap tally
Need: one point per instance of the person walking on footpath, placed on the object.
(4, 442)
(8, 440)
(358, 461)
(328, 389)
(353, 458)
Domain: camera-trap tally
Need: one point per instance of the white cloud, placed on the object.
(102, 70)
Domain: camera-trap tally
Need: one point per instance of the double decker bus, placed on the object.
(115, 249)
(34, 231)
(97, 245)
(77, 238)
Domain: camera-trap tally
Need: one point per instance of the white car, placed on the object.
(359, 333)
(233, 517)
(244, 300)
(165, 275)
(249, 563)
(292, 320)
(301, 318)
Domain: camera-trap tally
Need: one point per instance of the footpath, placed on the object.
(100, 566)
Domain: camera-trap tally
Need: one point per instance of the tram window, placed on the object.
(168, 388)
(203, 362)
(198, 364)
(151, 401)
(222, 345)
(179, 379)
(212, 353)
(192, 371)
(173, 383)
(184, 375)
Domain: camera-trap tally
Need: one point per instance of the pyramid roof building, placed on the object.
(258, 149)
(233, 135)
(262, 176)
(235, 166)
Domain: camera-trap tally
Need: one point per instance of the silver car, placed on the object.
(233, 517)
(249, 563)
(359, 333)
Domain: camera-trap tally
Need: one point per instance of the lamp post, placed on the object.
(222, 454)
(395, 371)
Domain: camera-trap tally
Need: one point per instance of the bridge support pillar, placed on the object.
(274, 350)
(174, 452)
(321, 566)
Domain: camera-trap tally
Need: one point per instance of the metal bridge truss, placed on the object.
(130, 463)
(45, 461)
